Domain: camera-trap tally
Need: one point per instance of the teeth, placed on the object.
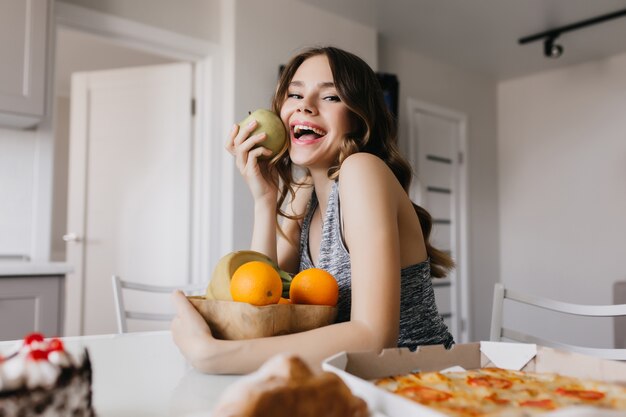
(299, 128)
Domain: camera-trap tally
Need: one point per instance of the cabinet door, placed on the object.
(23, 29)
(30, 304)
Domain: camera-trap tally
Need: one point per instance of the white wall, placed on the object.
(266, 35)
(433, 82)
(562, 174)
(17, 179)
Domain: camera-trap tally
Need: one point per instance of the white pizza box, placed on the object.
(357, 369)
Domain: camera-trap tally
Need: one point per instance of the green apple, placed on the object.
(270, 123)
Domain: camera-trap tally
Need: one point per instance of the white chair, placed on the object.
(119, 287)
(498, 332)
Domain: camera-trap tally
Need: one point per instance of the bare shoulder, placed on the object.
(362, 160)
(367, 172)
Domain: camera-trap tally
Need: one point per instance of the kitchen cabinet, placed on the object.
(31, 299)
(23, 40)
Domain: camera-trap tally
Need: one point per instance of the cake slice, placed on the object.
(40, 378)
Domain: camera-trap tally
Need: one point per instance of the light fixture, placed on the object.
(553, 50)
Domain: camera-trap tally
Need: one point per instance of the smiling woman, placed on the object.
(350, 216)
(315, 139)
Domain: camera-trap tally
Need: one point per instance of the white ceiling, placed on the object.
(476, 35)
(482, 35)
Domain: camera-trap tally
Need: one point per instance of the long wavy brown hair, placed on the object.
(375, 133)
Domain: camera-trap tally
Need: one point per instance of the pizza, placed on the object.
(491, 392)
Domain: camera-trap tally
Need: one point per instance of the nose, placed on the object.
(306, 106)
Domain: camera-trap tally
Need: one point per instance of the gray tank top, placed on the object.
(420, 323)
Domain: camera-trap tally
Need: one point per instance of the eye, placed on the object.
(332, 98)
(294, 95)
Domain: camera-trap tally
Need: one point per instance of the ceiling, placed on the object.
(482, 35)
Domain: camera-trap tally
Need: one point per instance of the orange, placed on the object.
(314, 286)
(256, 283)
(284, 301)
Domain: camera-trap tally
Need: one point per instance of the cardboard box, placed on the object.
(358, 368)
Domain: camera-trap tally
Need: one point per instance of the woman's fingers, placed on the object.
(246, 149)
(185, 311)
(238, 135)
(181, 303)
(229, 145)
(254, 155)
(244, 133)
(248, 162)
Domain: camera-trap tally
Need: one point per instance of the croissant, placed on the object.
(285, 387)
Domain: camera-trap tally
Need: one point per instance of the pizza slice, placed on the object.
(491, 392)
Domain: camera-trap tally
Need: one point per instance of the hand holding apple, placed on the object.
(269, 123)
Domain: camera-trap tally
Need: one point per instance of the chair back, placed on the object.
(499, 332)
(122, 287)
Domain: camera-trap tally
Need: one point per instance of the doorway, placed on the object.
(129, 180)
(105, 46)
(437, 153)
(77, 51)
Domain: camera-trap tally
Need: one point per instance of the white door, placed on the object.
(130, 186)
(436, 148)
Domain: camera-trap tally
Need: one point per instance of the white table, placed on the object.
(144, 374)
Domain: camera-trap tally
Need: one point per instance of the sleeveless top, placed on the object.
(420, 323)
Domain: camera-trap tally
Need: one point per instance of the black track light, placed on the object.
(554, 50)
(551, 49)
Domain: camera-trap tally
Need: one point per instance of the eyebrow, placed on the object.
(327, 84)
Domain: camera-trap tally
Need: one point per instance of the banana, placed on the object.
(219, 286)
(209, 294)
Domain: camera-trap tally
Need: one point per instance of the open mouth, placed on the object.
(307, 133)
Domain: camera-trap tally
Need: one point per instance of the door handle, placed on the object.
(71, 237)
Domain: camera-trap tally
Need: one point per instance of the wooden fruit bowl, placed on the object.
(233, 320)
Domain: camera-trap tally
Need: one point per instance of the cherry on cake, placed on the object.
(40, 378)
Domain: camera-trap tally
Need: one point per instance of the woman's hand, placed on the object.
(191, 333)
(241, 144)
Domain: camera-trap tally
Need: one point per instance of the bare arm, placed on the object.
(368, 193)
(264, 229)
(193, 337)
(254, 171)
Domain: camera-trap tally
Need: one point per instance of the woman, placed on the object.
(350, 214)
